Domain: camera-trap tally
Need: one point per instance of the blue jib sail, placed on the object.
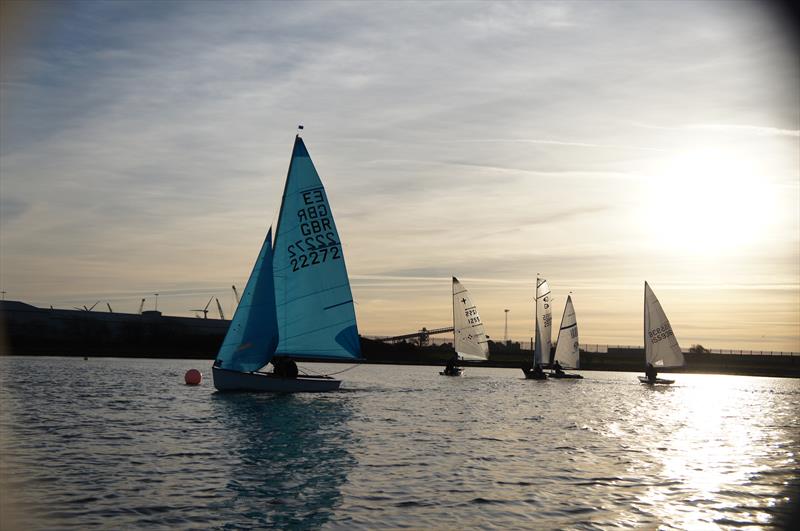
(316, 317)
(253, 334)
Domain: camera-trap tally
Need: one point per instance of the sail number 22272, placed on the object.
(318, 243)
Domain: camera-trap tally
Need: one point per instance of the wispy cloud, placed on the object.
(563, 143)
(729, 128)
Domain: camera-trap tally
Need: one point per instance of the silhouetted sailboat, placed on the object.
(469, 337)
(297, 303)
(661, 348)
(543, 318)
(568, 353)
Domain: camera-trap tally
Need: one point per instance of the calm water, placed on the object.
(116, 443)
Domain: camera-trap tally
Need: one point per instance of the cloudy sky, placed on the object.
(600, 144)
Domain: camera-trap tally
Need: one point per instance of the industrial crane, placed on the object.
(235, 294)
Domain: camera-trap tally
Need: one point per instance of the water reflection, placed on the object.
(287, 458)
(709, 454)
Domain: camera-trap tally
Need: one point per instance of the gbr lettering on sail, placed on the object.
(318, 243)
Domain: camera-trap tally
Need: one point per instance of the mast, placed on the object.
(644, 324)
(274, 242)
(453, 297)
(537, 339)
(285, 187)
(561, 326)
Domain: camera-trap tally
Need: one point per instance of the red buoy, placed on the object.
(193, 377)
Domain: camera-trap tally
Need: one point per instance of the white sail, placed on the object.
(544, 321)
(567, 347)
(470, 337)
(661, 348)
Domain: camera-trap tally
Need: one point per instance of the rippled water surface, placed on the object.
(119, 444)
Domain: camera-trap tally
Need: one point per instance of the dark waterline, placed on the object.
(121, 443)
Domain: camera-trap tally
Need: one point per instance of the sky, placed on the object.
(144, 146)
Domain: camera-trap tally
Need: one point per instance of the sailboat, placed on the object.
(469, 337)
(568, 353)
(544, 342)
(661, 349)
(297, 303)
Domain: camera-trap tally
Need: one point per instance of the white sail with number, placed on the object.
(470, 341)
(567, 348)
(661, 347)
(544, 321)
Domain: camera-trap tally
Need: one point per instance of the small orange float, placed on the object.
(193, 377)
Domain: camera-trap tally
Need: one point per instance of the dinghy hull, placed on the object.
(565, 376)
(657, 381)
(228, 381)
(530, 375)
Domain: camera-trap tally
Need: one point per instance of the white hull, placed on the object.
(661, 381)
(227, 380)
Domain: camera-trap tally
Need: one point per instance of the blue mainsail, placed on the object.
(315, 312)
(253, 334)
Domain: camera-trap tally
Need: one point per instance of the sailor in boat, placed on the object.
(284, 367)
(535, 373)
(451, 369)
(651, 373)
(558, 368)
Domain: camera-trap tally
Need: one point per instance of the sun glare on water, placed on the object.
(710, 201)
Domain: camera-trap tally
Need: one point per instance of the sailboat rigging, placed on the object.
(543, 318)
(297, 303)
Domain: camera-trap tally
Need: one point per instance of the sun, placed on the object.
(709, 200)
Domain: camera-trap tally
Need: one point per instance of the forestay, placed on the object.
(470, 337)
(567, 347)
(544, 321)
(315, 312)
(253, 333)
(661, 346)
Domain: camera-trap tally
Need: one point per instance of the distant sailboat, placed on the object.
(297, 303)
(543, 340)
(661, 348)
(469, 337)
(568, 354)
